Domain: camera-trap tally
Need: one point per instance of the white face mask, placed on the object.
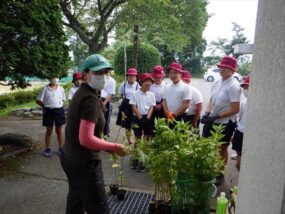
(54, 81)
(245, 92)
(97, 82)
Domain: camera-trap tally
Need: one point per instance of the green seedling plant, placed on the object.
(179, 153)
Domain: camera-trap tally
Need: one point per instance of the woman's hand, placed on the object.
(120, 150)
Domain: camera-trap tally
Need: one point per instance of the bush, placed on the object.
(148, 56)
(18, 98)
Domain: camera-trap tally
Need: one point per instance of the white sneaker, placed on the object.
(234, 156)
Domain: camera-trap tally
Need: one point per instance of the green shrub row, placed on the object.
(18, 98)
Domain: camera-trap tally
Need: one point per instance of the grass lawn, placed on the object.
(8, 110)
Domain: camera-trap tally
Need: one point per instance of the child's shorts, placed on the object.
(143, 126)
(53, 116)
(237, 141)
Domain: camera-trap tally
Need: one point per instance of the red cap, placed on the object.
(175, 66)
(132, 72)
(228, 62)
(157, 71)
(186, 75)
(246, 81)
(76, 76)
(145, 76)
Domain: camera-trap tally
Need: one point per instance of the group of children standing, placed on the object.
(147, 96)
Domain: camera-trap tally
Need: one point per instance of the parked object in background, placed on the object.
(212, 74)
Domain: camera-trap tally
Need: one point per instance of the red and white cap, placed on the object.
(158, 71)
(175, 66)
(246, 81)
(132, 72)
(186, 75)
(76, 76)
(145, 76)
(228, 62)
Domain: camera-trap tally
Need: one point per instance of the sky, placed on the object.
(224, 12)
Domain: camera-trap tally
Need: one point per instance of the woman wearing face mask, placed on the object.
(51, 100)
(125, 116)
(237, 139)
(76, 79)
(81, 151)
(223, 106)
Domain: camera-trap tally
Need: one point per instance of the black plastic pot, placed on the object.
(114, 189)
(152, 209)
(163, 207)
(121, 194)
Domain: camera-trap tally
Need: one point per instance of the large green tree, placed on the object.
(92, 21)
(32, 42)
(173, 26)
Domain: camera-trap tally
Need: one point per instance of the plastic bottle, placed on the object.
(222, 203)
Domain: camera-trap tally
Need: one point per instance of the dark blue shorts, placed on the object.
(53, 116)
(228, 131)
(143, 126)
(237, 141)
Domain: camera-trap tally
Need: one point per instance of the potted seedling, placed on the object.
(182, 166)
(121, 192)
(116, 166)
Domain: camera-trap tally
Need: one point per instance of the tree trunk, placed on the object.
(93, 48)
(135, 46)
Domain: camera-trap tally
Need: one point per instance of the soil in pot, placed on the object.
(163, 207)
(114, 189)
(121, 194)
(152, 208)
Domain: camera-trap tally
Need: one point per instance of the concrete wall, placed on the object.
(262, 177)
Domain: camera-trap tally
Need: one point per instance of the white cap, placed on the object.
(223, 194)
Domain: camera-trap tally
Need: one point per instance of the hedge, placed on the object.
(18, 98)
(148, 57)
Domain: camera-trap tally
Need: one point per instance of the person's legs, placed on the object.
(73, 202)
(48, 134)
(107, 116)
(224, 153)
(58, 130)
(238, 161)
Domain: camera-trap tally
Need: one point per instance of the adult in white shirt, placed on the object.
(157, 88)
(51, 99)
(223, 106)
(177, 95)
(126, 90)
(196, 105)
(77, 80)
(237, 139)
(106, 96)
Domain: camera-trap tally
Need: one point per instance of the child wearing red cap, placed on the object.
(223, 107)
(196, 105)
(177, 95)
(125, 115)
(143, 102)
(157, 88)
(237, 139)
(76, 80)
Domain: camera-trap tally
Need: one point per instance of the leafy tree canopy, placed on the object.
(31, 41)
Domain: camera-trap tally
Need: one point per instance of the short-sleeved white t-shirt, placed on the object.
(126, 89)
(109, 88)
(52, 98)
(196, 99)
(223, 93)
(175, 94)
(143, 101)
(72, 92)
(242, 116)
(158, 91)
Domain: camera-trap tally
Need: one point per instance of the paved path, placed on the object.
(39, 184)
